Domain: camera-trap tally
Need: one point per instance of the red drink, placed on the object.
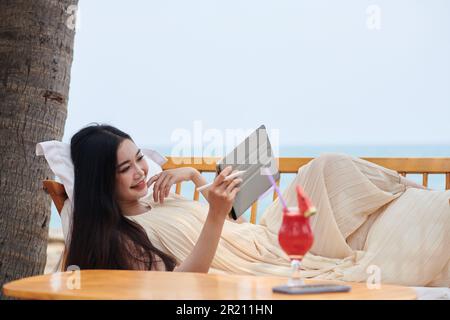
(296, 238)
(295, 235)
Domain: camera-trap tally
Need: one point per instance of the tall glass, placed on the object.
(296, 238)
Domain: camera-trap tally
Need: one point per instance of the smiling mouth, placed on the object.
(138, 184)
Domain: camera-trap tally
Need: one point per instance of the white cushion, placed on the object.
(58, 157)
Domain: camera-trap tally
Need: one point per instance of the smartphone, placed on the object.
(311, 289)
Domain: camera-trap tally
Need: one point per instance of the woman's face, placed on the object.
(131, 172)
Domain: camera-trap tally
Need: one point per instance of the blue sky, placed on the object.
(311, 69)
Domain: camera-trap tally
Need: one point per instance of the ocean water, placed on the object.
(436, 181)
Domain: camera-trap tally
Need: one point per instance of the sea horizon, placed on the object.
(358, 150)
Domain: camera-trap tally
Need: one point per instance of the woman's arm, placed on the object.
(203, 253)
(199, 181)
(221, 196)
(167, 178)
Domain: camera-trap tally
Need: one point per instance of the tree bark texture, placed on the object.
(36, 52)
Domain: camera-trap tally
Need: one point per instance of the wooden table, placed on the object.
(116, 284)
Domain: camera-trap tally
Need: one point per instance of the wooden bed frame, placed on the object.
(423, 166)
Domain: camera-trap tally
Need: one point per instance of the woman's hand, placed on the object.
(222, 193)
(220, 197)
(165, 179)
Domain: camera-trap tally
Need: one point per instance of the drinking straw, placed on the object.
(274, 185)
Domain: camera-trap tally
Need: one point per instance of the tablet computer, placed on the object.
(255, 156)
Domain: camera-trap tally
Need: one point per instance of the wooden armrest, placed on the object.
(57, 193)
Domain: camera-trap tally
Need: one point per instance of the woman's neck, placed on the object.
(135, 207)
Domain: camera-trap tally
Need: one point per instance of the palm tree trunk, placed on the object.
(36, 50)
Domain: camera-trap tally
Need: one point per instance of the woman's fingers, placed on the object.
(156, 186)
(171, 183)
(221, 177)
(222, 193)
(162, 187)
(167, 190)
(152, 179)
(234, 192)
(233, 184)
(226, 183)
(167, 185)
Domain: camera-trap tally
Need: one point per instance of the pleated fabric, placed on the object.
(370, 222)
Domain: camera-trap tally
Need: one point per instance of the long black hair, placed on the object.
(101, 236)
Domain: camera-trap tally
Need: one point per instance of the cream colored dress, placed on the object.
(372, 224)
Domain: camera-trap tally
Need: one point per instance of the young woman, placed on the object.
(370, 221)
(110, 175)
